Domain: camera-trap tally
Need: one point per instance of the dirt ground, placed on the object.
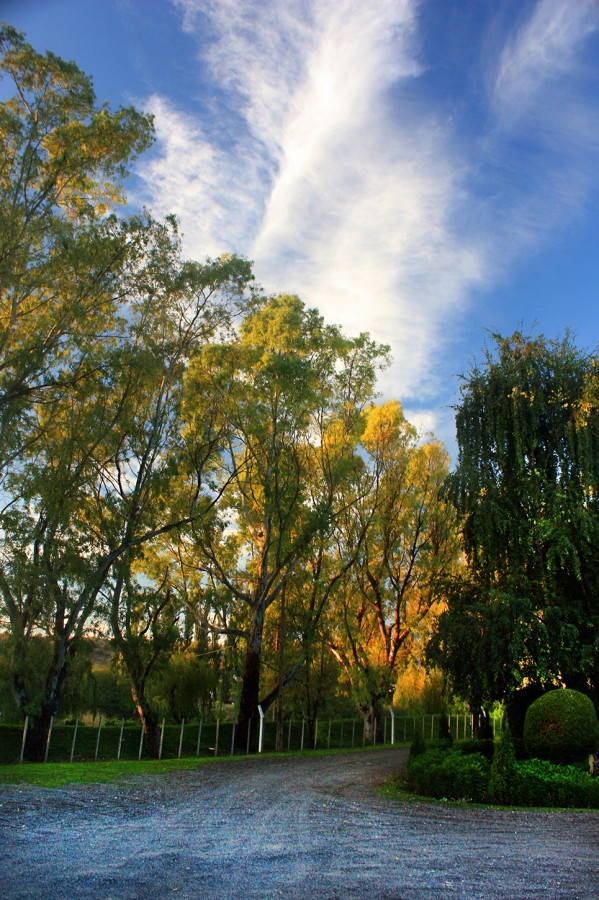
(295, 828)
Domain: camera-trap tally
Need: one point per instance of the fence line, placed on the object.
(334, 734)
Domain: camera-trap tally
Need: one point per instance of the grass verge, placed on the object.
(59, 774)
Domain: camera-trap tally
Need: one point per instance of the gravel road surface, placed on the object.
(296, 828)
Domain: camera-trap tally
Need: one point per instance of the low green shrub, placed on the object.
(537, 782)
(417, 746)
(486, 746)
(450, 774)
(515, 711)
(561, 727)
(503, 769)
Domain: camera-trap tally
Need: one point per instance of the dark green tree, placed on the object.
(526, 490)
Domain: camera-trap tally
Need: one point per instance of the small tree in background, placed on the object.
(503, 769)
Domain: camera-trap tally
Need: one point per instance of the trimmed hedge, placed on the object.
(451, 775)
(540, 783)
(561, 727)
(486, 746)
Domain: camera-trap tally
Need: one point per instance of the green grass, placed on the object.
(58, 774)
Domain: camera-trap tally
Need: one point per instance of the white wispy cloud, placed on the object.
(215, 193)
(543, 51)
(541, 146)
(340, 197)
(347, 189)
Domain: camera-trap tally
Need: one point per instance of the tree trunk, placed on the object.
(152, 735)
(149, 720)
(250, 687)
(482, 724)
(373, 717)
(37, 735)
(281, 650)
(248, 703)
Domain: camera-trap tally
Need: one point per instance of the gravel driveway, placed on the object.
(296, 827)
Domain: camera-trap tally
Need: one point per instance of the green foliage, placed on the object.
(485, 640)
(454, 775)
(183, 686)
(484, 746)
(450, 775)
(561, 727)
(76, 688)
(503, 769)
(110, 694)
(39, 653)
(526, 489)
(418, 746)
(539, 783)
(516, 708)
(287, 394)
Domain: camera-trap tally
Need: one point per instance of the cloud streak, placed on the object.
(346, 187)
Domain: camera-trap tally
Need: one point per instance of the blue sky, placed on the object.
(420, 169)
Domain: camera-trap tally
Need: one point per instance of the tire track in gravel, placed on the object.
(285, 827)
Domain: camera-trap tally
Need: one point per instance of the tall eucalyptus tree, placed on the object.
(409, 542)
(290, 393)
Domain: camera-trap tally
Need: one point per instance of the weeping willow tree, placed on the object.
(526, 489)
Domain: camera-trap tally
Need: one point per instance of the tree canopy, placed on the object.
(526, 490)
(202, 475)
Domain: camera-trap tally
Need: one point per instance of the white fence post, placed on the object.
(48, 739)
(216, 737)
(315, 733)
(161, 740)
(233, 739)
(392, 725)
(261, 734)
(118, 755)
(98, 739)
(141, 741)
(181, 737)
(24, 738)
(74, 739)
(199, 738)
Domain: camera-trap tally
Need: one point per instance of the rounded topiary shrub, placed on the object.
(515, 711)
(561, 727)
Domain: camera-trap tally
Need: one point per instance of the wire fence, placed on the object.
(109, 741)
